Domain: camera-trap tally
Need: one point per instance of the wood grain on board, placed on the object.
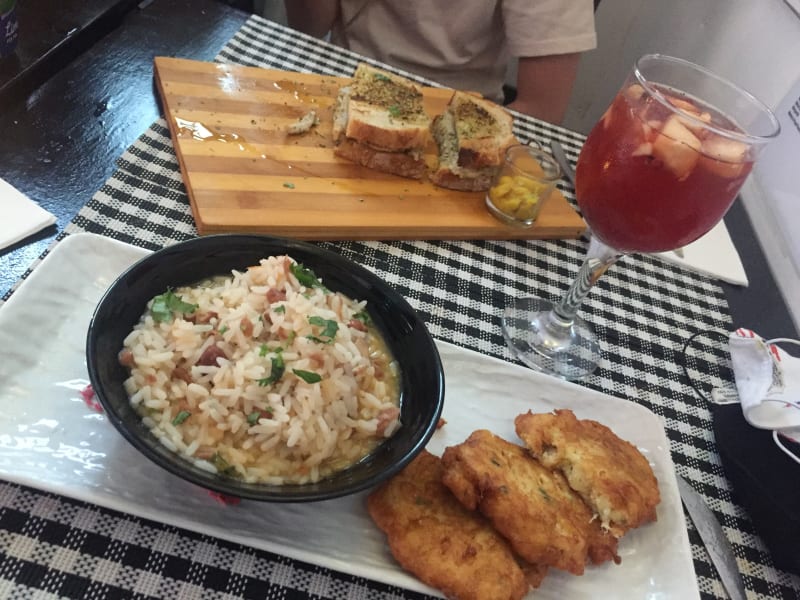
(245, 174)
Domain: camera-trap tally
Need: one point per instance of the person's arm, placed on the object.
(544, 85)
(314, 17)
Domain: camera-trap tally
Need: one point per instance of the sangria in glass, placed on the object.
(658, 170)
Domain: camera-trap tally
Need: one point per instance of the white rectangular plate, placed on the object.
(50, 440)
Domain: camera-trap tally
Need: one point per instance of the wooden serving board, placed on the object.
(245, 174)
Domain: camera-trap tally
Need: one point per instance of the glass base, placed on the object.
(541, 343)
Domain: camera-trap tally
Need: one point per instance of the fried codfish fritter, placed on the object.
(530, 505)
(445, 545)
(610, 474)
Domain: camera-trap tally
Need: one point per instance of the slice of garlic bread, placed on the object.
(379, 122)
(449, 174)
(484, 130)
(472, 136)
(385, 111)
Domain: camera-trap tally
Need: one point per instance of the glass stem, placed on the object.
(598, 259)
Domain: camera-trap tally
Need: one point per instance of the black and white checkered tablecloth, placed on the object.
(644, 311)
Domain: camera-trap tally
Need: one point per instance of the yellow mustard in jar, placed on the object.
(517, 196)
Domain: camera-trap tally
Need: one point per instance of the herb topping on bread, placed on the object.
(380, 123)
(381, 91)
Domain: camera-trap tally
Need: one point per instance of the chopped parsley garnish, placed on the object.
(181, 417)
(364, 317)
(168, 303)
(394, 110)
(289, 185)
(264, 350)
(381, 77)
(254, 416)
(223, 329)
(306, 276)
(544, 494)
(280, 309)
(307, 376)
(222, 465)
(277, 371)
(327, 334)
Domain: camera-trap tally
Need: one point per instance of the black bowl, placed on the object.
(421, 376)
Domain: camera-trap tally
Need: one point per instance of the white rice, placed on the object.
(226, 414)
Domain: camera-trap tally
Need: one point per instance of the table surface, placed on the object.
(51, 39)
(63, 140)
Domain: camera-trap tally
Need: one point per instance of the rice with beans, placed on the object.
(264, 375)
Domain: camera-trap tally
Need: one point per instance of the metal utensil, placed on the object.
(563, 161)
(711, 532)
(566, 166)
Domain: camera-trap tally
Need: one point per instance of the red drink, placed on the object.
(651, 179)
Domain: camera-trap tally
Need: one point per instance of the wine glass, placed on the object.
(657, 171)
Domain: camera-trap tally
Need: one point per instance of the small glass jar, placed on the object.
(522, 185)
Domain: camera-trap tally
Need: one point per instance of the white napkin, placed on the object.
(19, 216)
(713, 254)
